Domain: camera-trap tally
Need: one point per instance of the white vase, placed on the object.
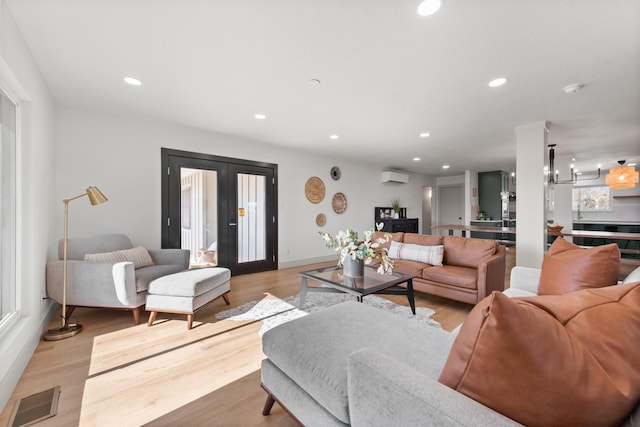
(396, 215)
(353, 267)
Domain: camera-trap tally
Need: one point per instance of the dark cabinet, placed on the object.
(628, 248)
(407, 225)
(490, 185)
(486, 234)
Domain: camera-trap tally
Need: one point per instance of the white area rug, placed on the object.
(275, 311)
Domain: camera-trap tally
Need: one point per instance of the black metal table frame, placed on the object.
(387, 288)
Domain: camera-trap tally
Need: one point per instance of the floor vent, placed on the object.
(37, 407)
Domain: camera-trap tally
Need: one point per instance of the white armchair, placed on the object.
(114, 285)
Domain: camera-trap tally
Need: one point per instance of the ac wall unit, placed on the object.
(390, 176)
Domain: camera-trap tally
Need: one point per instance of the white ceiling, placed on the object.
(387, 74)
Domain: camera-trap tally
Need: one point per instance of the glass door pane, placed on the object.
(199, 214)
(251, 226)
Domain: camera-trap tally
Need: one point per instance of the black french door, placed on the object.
(222, 209)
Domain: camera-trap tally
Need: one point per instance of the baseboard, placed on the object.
(306, 261)
(30, 334)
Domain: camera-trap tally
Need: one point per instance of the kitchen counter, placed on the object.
(584, 221)
(503, 235)
(597, 234)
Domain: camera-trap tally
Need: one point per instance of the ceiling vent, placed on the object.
(391, 176)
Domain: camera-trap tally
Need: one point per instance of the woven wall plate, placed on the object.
(335, 173)
(339, 203)
(321, 220)
(314, 189)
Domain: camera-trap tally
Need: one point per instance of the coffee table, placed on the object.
(371, 283)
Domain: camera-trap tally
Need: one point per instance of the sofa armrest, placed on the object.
(491, 273)
(384, 392)
(525, 278)
(171, 256)
(95, 284)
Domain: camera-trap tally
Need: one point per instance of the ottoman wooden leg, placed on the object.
(225, 297)
(152, 318)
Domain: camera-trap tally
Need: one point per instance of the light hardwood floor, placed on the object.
(117, 374)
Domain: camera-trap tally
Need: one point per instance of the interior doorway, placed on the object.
(222, 209)
(450, 206)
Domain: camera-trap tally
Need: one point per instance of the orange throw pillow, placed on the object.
(567, 267)
(570, 359)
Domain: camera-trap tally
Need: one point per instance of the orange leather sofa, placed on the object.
(471, 268)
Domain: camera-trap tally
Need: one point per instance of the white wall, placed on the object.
(121, 155)
(36, 169)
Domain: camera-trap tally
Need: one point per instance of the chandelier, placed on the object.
(553, 173)
(622, 177)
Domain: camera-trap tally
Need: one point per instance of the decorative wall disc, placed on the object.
(321, 220)
(314, 189)
(339, 203)
(336, 173)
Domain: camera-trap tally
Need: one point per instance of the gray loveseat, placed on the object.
(352, 364)
(109, 284)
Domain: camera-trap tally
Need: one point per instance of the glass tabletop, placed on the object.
(371, 281)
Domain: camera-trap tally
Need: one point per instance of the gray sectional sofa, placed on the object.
(353, 364)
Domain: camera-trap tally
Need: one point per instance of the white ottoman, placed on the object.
(187, 291)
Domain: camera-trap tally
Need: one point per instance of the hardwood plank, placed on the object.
(116, 373)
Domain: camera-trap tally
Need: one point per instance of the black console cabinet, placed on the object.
(407, 225)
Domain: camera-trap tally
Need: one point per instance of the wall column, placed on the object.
(531, 208)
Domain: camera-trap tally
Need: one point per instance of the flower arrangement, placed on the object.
(348, 244)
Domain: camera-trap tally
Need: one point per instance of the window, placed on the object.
(8, 218)
(596, 198)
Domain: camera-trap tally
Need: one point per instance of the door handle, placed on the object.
(232, 223)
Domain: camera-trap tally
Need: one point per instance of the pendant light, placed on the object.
(622, 177)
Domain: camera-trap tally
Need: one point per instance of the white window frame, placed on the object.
(7, 85)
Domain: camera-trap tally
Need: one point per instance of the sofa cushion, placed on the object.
(467, 252)
(412, 268)
(422, 239)
(544, 360)
(426, 254)
(567, 267)
(145, 275)
(452, 275)
(139, 256)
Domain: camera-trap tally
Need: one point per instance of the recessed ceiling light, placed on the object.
(334, 136)
(445, 166)
(260, 116)
(424, 135)
(132, 81)
(314, 82)
(497, 82)
(573, 88)
(416, 159)
(429, 7)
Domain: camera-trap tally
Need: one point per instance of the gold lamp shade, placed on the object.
(622, 177)
(95, 196)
